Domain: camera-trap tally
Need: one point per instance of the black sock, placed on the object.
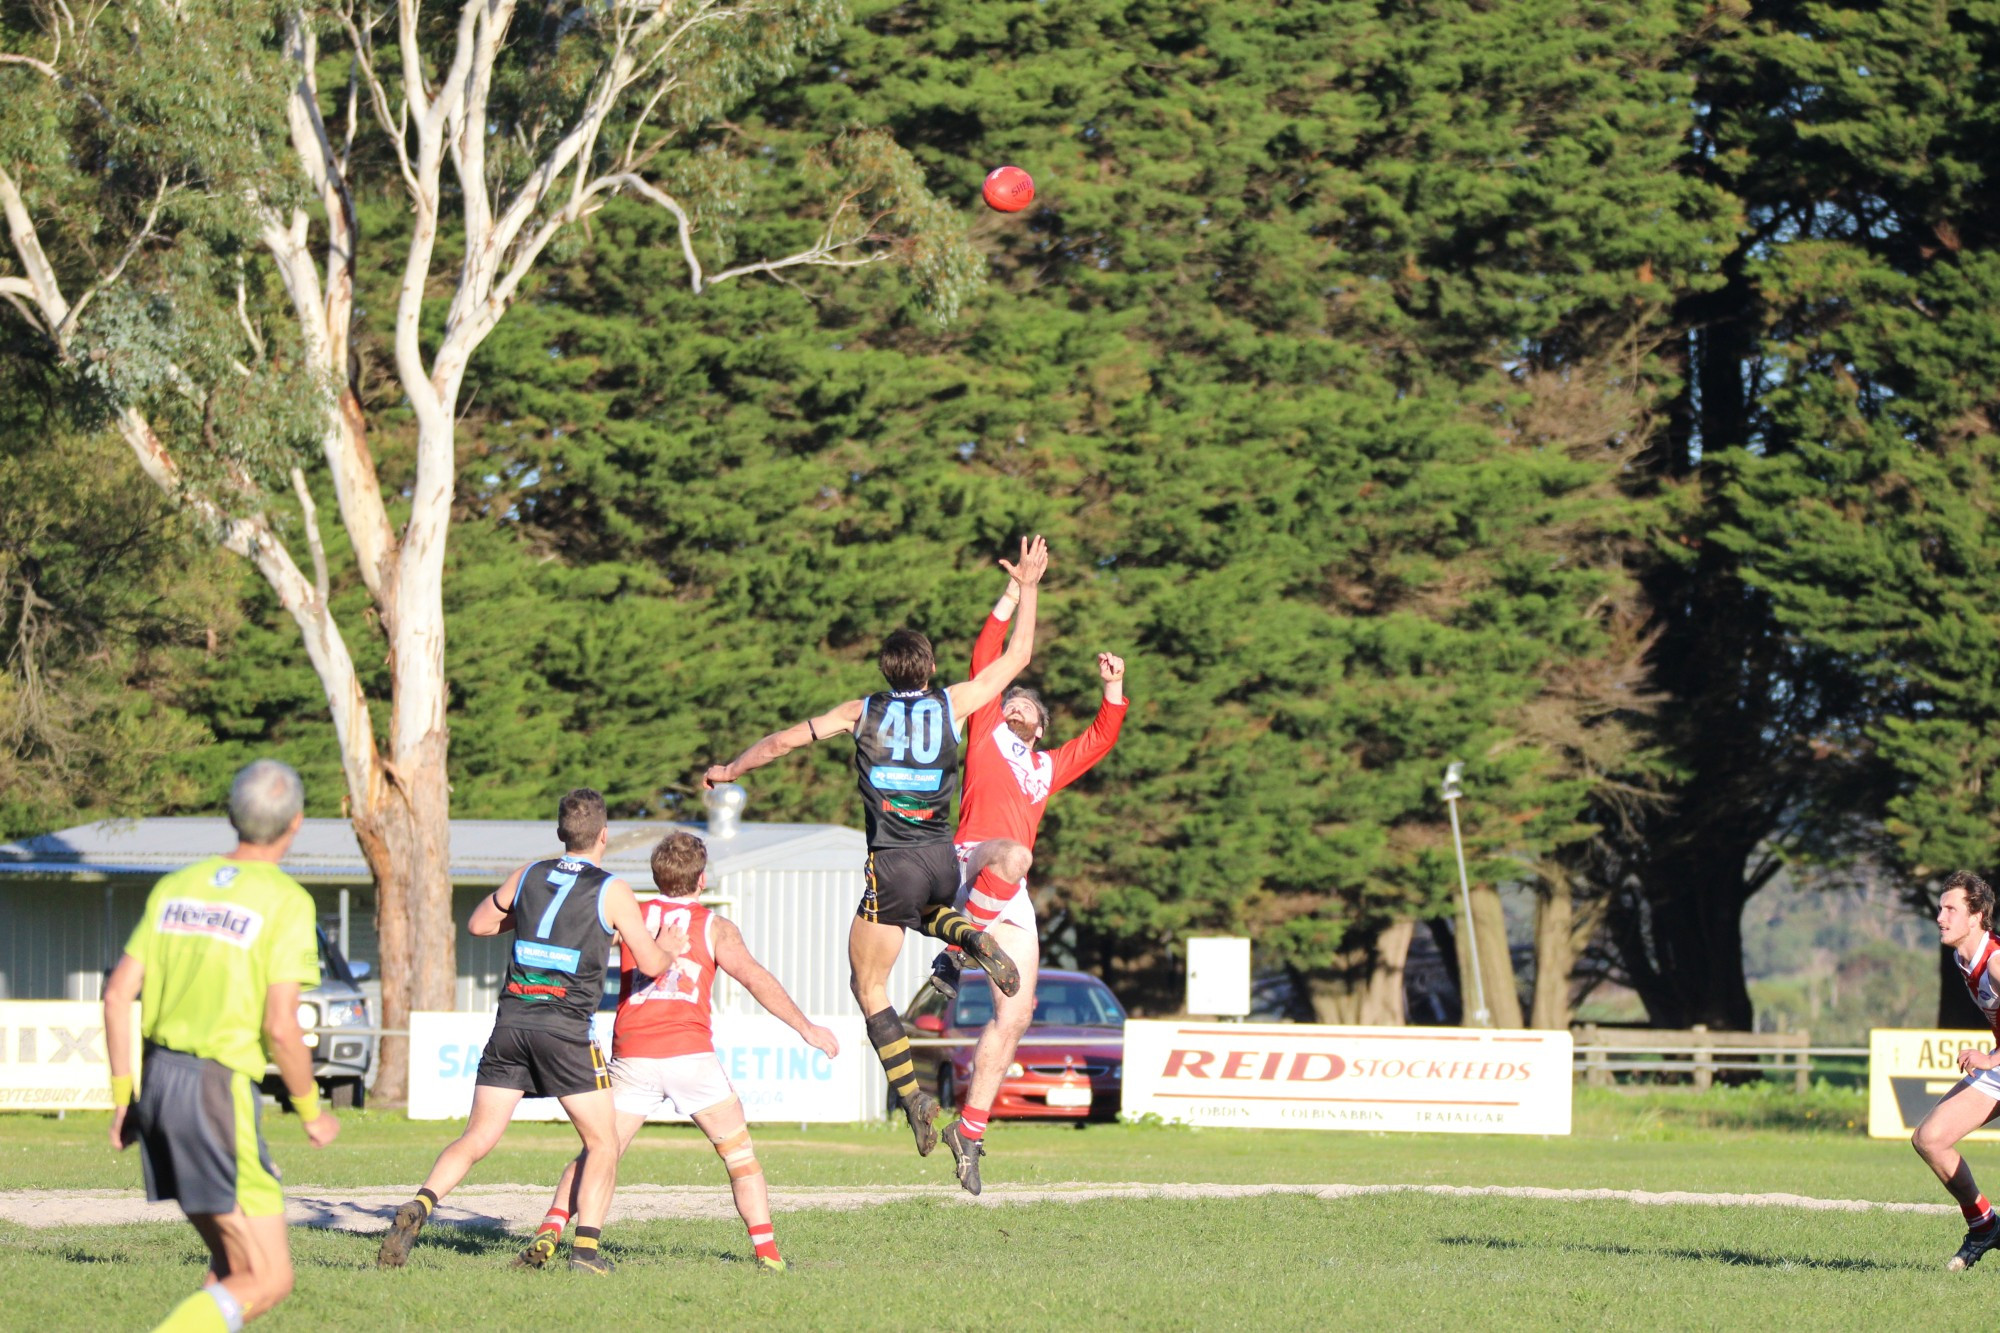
(586, 1240)
(892, 1048)
(428, 1199)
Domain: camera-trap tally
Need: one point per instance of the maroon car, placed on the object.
(1070, 1062)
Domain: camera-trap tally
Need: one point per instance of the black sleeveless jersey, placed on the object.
(561, 941)
(906, 757)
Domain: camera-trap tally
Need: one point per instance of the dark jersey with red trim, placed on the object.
(906, 761)
(555, 972)
(1981, 981)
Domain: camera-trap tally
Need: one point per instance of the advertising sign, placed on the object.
(777, 1075)
(1908, 1070)
(1304, 1076)
(52, 1055)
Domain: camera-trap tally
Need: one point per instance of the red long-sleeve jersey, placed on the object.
(1007, 781)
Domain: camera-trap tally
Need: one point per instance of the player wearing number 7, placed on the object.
(564, 913)
(663, 1046)
(906, 753)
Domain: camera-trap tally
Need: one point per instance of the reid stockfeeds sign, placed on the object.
(1302, 1076)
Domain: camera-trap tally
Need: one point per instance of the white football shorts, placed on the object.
(1020, 908)
(677, 1084)
(1986, 1083)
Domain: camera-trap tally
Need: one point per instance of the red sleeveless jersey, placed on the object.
(669, 1015)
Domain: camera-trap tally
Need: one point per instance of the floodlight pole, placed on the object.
(1451, 793)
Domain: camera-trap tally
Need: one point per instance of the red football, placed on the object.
(1009, 189)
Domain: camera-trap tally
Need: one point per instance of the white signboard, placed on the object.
(1909, 1071)
(52, 1055)
(1304, 1076)
(776, 1074)
(1218, 977)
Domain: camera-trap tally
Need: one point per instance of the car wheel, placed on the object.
(947, 1088)
(346, 1095)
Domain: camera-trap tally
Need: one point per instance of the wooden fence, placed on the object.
(1602, 1053)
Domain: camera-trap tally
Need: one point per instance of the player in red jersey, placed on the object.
(663, 1045)
(1964, 919)
(1008, 783)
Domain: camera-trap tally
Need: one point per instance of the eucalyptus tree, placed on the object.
(183, 188)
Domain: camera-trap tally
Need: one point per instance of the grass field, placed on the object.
(1268, 1262)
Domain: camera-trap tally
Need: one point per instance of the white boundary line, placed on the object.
(520, 1207)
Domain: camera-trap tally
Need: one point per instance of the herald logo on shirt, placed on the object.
(229, 922)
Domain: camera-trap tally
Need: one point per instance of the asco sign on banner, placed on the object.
(1301, 1076)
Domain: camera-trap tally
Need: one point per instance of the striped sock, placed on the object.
(892, 1048)
(764, 1241)
(949, 925)
(972, 1122)
(1978, 1213)
(585, 1244)
(989, 897)
(555, 1221)
(428, 1199)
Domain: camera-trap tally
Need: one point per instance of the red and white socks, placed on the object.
(763, 1240)
(554, 1222)
(989, 897)
(1978, 1214)
(972, 1122)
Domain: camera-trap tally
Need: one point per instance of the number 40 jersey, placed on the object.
(906, 758)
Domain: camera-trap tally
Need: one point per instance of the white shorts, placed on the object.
(1985, 1082)
(678, 1084)
(1020, 908)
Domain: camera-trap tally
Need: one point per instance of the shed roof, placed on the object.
(483, 851)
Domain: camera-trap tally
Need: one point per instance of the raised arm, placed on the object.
(495, 912)
(781, 743)
(733, 957)
(969, 696)
(1075, 757)
(986, 648)
(650, 955)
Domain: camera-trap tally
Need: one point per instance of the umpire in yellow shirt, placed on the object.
(217, 964)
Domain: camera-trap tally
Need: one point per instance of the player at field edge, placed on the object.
(906, 743)
(663, 1046)
(1008, 783)
(1964, 921)
(216, 963)
(564, 913)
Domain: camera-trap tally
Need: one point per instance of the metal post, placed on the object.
(1451, 792)
(345, 951)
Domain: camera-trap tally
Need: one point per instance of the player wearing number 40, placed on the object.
(906, 744)
(564, 913)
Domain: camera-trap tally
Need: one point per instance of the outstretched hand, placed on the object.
(1034, 562)
(822, 1040)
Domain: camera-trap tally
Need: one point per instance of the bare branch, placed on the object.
(41, 67)
(243, 315)
(321, 584)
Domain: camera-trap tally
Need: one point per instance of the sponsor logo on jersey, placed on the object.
(228, 922)
(908, 809)
(530, 954)
(224, 875)
(537, 987)
(886, 778)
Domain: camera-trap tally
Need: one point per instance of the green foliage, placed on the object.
(1866, 515)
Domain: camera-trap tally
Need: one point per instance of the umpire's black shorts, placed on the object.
(542, 1063)
(199, 1128)
(903, 881)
